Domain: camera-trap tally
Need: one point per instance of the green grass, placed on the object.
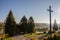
(27, 35)
(31, 35)
(8, 39)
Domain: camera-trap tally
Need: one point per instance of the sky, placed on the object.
(35, 8)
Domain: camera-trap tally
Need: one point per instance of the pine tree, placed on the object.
(10, 24)
(23, 25)
(55, 26)
(31, 25)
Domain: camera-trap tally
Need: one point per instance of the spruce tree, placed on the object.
(23, 25)
(31, 25)
(55, 26)
(10, 24)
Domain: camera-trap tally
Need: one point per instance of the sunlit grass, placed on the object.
(57, 34)
(33, 34)
(34, 39)
(8, 38)
(29, 35)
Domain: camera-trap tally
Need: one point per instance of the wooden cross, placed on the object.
(50, 16)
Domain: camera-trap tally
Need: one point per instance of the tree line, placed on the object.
(25, 26)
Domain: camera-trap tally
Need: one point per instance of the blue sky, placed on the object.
(35, 8)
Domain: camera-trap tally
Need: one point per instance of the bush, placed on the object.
(58, 31)
(44, 32)
(55, 37)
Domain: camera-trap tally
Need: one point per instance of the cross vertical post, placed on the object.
(50, 16)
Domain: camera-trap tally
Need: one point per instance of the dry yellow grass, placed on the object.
(2, 36)
(34, 39)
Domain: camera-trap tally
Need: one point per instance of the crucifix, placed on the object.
(50, 16)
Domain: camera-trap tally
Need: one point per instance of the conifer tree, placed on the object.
(55, 26)
(31, 25)
(23, 25)
(10, 24)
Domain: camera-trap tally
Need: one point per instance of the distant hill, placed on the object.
(44, 25)
(41, 25)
